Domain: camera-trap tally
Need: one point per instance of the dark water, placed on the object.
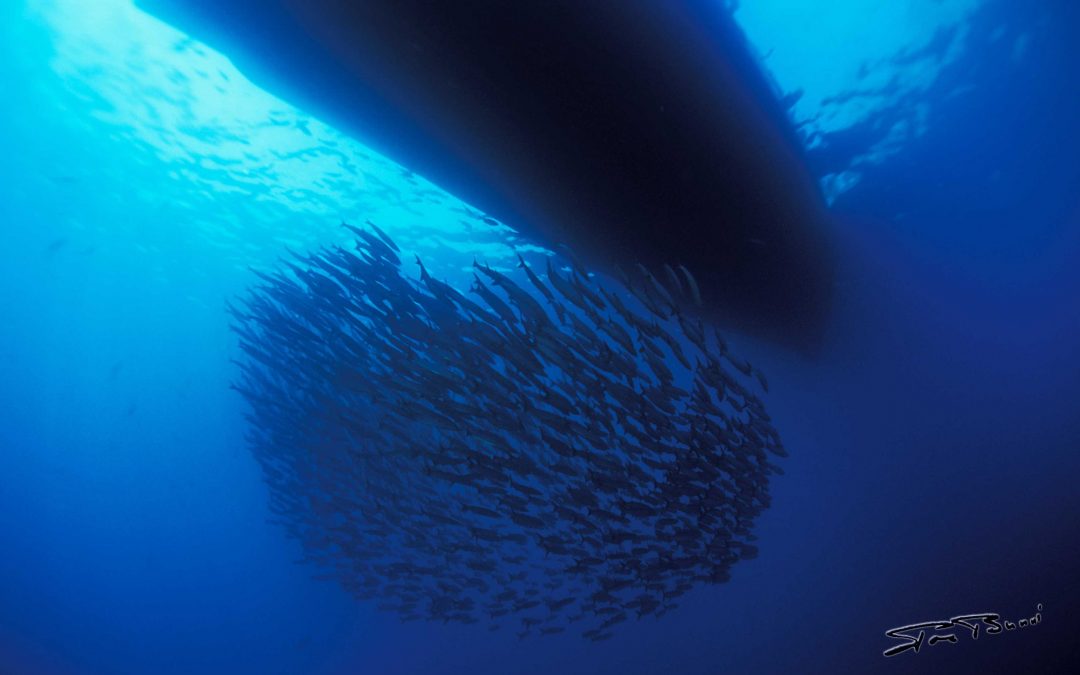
(933, 441)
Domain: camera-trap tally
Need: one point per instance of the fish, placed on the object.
(524, 301)
(565, 442)
(535, 280)
(695, 291)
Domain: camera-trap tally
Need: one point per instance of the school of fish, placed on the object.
(544, 450)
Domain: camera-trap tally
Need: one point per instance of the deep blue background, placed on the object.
(933, 442)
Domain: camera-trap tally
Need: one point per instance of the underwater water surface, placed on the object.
(933, 442)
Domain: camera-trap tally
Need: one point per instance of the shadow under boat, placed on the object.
(638, 131)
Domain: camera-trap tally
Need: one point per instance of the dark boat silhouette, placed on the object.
(630, 131)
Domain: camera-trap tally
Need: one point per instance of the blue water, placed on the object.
(933, 441)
